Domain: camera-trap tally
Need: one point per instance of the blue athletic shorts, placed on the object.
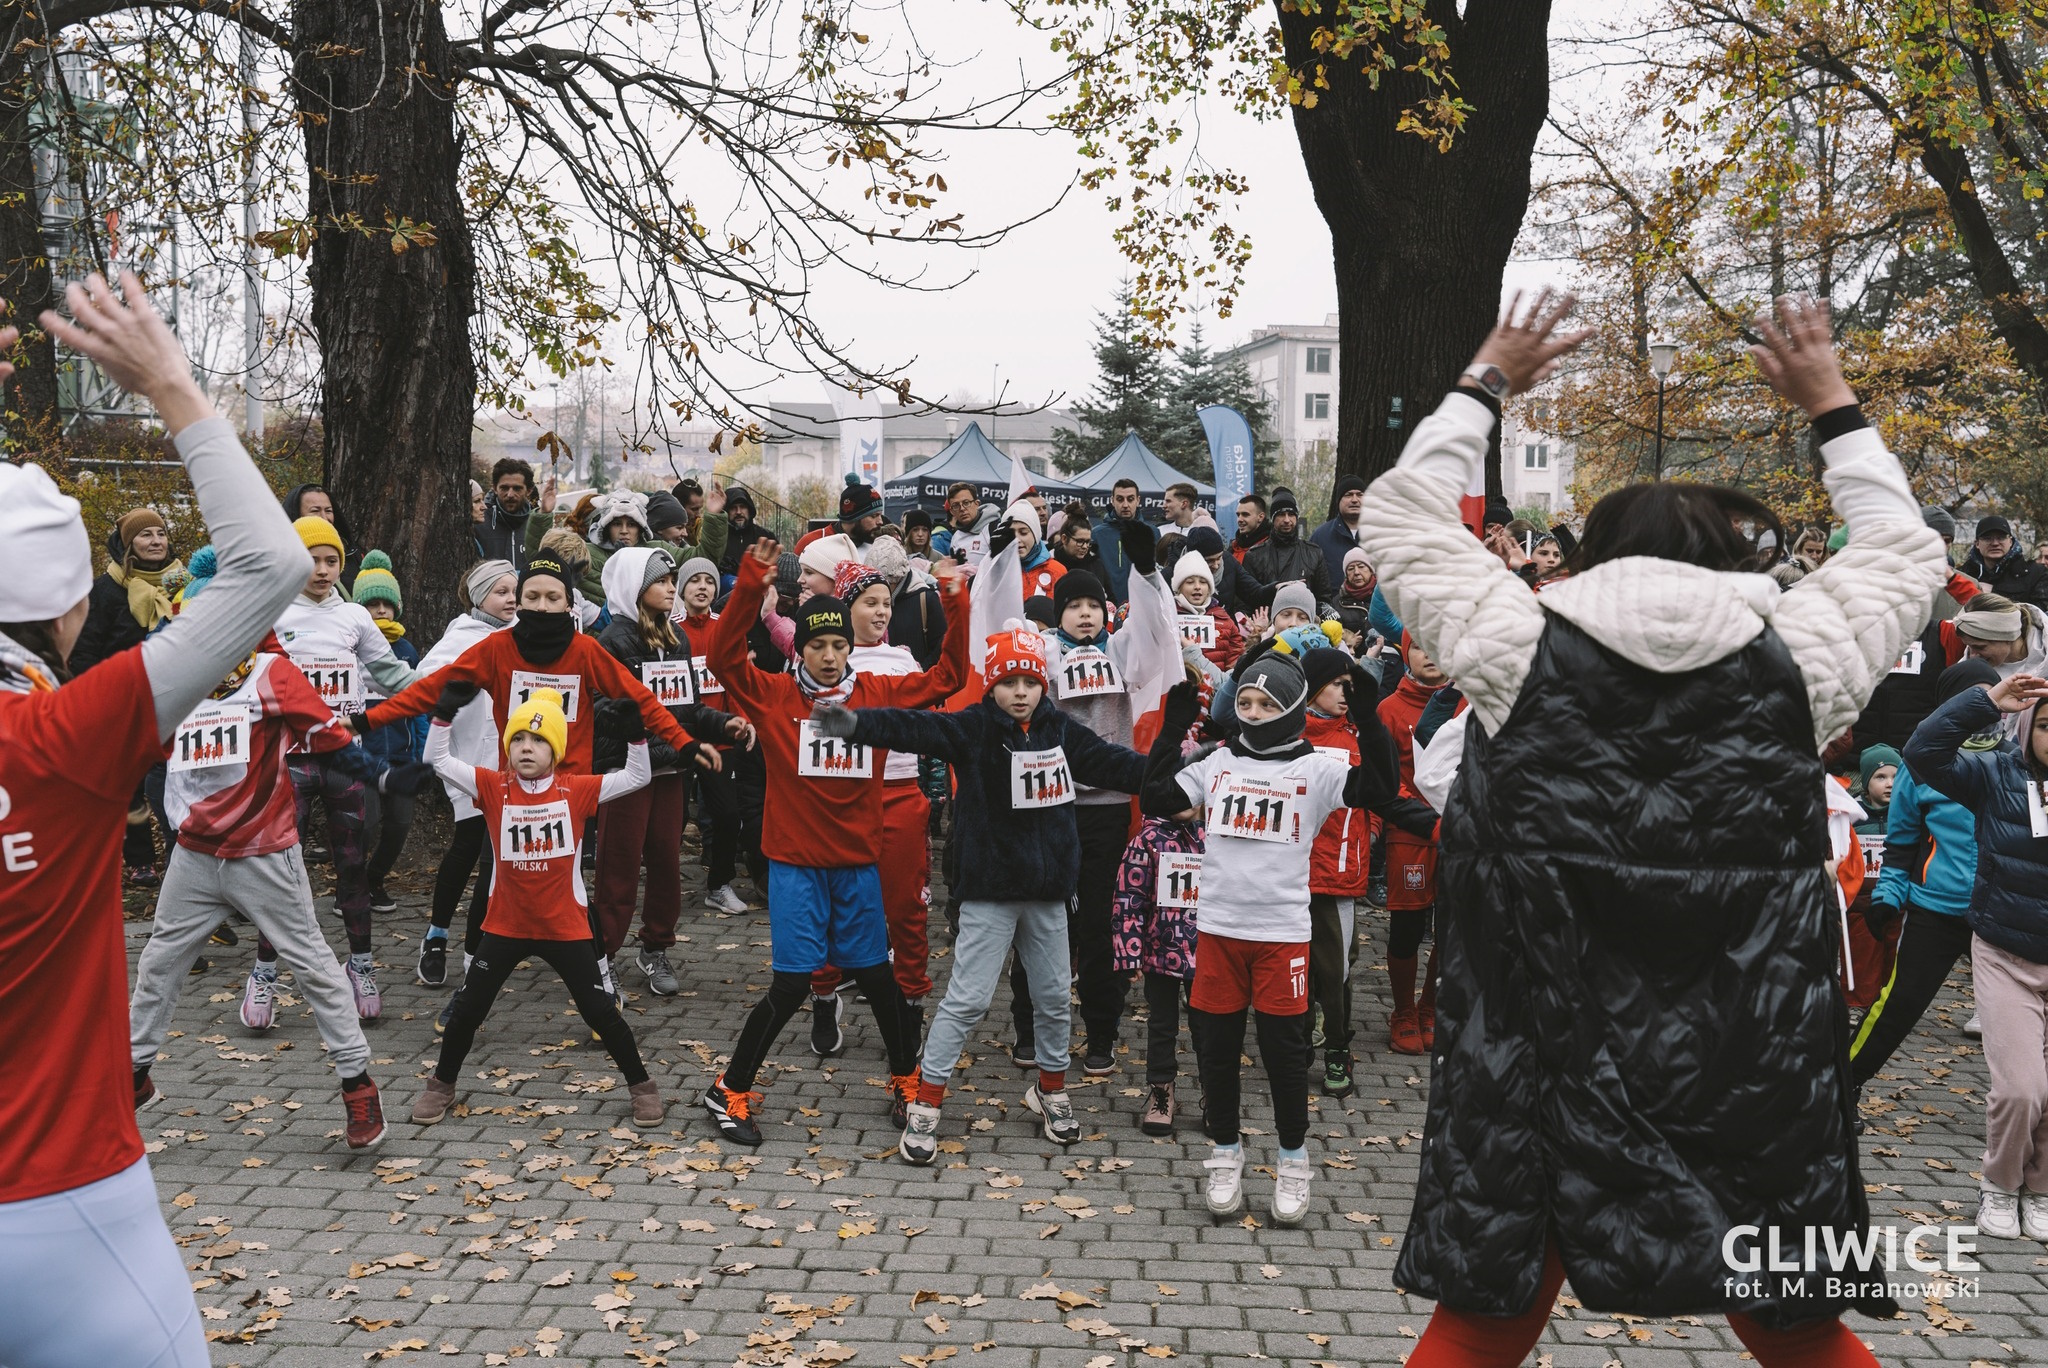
(818, 917)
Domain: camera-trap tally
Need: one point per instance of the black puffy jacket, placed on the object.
(1640, 1043)
(1275, 561)
(1007, 854)
(608, 743)
(1904, 696)
(2018, 577)
(2009, 906)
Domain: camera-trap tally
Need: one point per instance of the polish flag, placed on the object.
(1472, 504)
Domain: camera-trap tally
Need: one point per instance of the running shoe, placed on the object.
(224, 934)
(365, 1114)
(433, 966)
(259, 1000)
(1224, 1189)
(2034, 1214)
(1099, 1061)
(902, 1087)
(920, 1144)
(1425, 1024)
(1998, 1213)
(734, 1113)
(1376, 892)
(1405, 1032)
(146, 1095)
(1974, 1028)
(362, 980)
(827, 1039)
(432, 1103)
(1158, 1119)
(1337, 1074)
(1056, 1114)
(143, 876)
(724, 899)
(648, 1108)
(1024, 1054)
(380, 901)
(661, 975)
(1290, 1190)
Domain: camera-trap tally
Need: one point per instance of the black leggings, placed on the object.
(1404, 935)
(1930, 943)
(468, 851)
(1164, 995)
(1283, 1049)
(718, 822)
(575, 961)
(394, 824)
(789, 992)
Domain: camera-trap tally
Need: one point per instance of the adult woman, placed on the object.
(313, 501)
(88, 1272)
(1641, 1047)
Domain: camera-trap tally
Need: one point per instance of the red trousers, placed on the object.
(1456, 1340)
(906, 872)
(1870, 957)
(644, 828)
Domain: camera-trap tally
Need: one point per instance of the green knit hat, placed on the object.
(375, 581)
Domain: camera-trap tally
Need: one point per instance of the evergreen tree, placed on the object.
(1129, 394)
(1199, 380)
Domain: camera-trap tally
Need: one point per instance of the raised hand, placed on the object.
(1797, 356)
(714, 497)
(2019, 693)
(765, 550)
(1526, 344)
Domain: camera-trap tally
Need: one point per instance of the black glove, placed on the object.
(1141, 546)
(1183, 708)
(1000, 535)
(833, 720)
(455, 696)
(1879, 917)
(404, 779)
(630, 725)
(1361, 692)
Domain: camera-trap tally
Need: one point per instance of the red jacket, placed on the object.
(826, 821)
(1337, 861)
(1229, 638)
(494, 664)
(1400, 711)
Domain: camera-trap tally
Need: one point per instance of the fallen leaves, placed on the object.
(944, 1351)
(1068, 1301)
(853, 1230)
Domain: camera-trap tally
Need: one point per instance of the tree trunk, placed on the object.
(1421, 237)
(376, 97)
(31, 417)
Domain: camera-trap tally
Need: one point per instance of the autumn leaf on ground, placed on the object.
(850, 1230)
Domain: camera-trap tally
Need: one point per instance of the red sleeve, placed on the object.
(727, 647)
(1951, 644)
(807, 538)
(584, 791)
(308, 720)
(616, 681)
(943, 679)
(419, 697)
(98, 732)
(1962, 588)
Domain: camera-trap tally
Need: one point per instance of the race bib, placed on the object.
(1198, 630)
(672, 682)
(214, 734)
(569, 686)
(1087, 671)
(1914, 657)
(707, 682)
(1337, 753)
(2035, 811)
(337, 679)
(1039, 779)
(1259, 810)
(1180, 879)
(535, 832)
(1873, 853)
(819, 756)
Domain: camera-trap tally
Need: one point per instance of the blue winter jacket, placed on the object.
(2009, 907)
(1930, 851)
(395, 743)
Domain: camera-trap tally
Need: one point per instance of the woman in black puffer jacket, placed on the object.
(2009, 930)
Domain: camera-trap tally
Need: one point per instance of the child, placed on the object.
(1337, 863)
(1294, 605)
(726, 822)
(1265, 794)
(824, 796)
(1156, 889)
(645, 828)
(1870, 954)
(1204, 622)
(229, 794)
(1017, 759)
(535, 815)
(1411, 866)
(336, 645)
(378, 592)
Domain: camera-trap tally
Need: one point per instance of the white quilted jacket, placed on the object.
(1845, 624)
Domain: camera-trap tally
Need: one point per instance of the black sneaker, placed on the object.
(380, 901)
(433, 969)
(827, 1039)
(1376, 892)
(146, 1095)
(1098, 1062)
(224, 934)
(1024, 1054)
(734, 1113)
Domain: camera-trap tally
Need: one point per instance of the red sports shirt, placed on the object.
(69, 764)
(536, 835)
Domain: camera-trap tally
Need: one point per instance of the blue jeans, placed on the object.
(1038, 930)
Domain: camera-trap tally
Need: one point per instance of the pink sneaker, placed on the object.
(362, 978)
(259, 1001)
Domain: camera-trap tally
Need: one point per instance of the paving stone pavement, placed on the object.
(540, 1224)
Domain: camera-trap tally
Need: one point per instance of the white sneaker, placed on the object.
(2034, 1214)
(1290, 1190)
(920, 1143)
(259, 996)
(1974, 1028)
(723, 899)
(1998, 1213)
(1226, 1181)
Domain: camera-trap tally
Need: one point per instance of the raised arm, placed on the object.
(452, 772)
(944, 679)
(1847, 622)
(1934, 751)
(726, 647)
(620, 782)
(262, 561)
(417, 698)
(951, 737)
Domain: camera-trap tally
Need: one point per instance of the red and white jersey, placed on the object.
(228, 792)
(537, 845)
(890, 661)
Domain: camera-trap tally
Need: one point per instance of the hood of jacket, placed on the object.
(1665, 615)
(625, 575)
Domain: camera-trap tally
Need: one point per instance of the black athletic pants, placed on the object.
(575, 961)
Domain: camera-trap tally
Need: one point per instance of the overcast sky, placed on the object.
(1030, 308)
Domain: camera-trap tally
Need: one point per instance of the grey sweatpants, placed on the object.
(2012, 1006)
(1038, 930)
(271, 891)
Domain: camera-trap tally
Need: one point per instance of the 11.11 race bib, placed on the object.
(1180, 878)
(819, 756)
(672, 682)
(1087, 671)
(1039, 779)
(1255, 810)
(337, 679)
(535, 832)
(214, 734)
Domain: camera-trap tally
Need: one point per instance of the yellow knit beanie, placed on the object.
(542, 715)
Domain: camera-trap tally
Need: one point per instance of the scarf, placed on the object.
(392, 628)
(486, 619)
(543, 638)
(147, 600)
(814, 692)
(1040, 554)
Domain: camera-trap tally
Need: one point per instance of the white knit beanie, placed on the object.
(822, 557)
(1022, 511)
(42, 538)
(1191, 565)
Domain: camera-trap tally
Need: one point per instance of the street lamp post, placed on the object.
(1662, 354)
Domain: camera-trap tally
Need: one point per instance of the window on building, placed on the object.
(1536, 456)
(1318, 360)
(1315, 406)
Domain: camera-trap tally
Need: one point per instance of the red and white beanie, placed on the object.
(1015, 650)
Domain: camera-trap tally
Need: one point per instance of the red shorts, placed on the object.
(1411, 872)
(1268, 976)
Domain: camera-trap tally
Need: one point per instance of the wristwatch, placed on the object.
(1490, 378)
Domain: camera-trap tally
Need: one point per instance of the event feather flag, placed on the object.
(1153, 658)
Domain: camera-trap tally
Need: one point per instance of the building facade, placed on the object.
(1535, 467)
(802, 440)
(1295, 368)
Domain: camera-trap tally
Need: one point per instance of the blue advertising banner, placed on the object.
(1230, 454)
